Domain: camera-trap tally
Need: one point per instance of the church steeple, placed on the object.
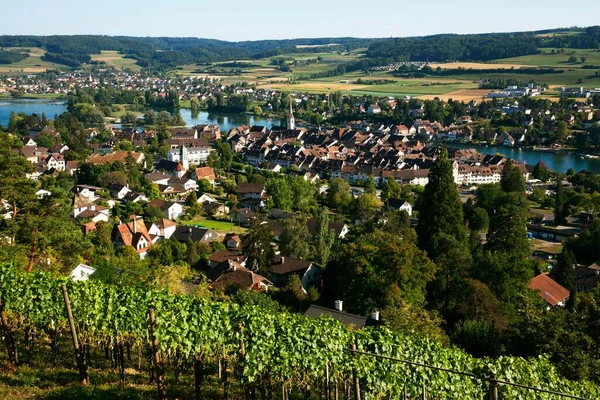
(291, 122)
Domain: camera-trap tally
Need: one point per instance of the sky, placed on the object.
(238, 20)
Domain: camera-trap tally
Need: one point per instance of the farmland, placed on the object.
(115, 59)
(32, 64)
(460, 86)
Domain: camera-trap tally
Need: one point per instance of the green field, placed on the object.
(219, 226)
(547, 59)
(32, 64)
(115, 59)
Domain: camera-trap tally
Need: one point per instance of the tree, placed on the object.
(295, 239)
(561, 206)
(562, 272)
(390, 189)
(259, 251)
(442, 209)
(512, 179)
(541, 172)
(366, 206)
(562, 130)
(370, 187)
(325, 238)
(376, 271)
(508, 228)
(338, 192)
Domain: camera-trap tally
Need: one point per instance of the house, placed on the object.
(92, 215)
(284, 267)
(280, 214)
(87, 191)
(243, 217)
(158, 178)
(185, 234)
(356, 322)
(550, 291)
(215, 209)
(251, 190)
(205, 198)
(243, 279)
(206, 173)
(340, 229)
(133, 234)
(233, 241)
(400, 205)
(133, 197)
(169, 209)
(40, 194)
(587, 278)
(374, 109)
(220, 256)
(509, 141)
(119, 191)
(81, 273)
(55, 161)
(163, 228)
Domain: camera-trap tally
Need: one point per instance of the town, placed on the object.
(333, 244)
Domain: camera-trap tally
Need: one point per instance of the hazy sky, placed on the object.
(269, 19)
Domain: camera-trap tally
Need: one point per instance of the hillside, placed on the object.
(259, 351)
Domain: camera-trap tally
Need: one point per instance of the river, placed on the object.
(557, 161)
(53, 107)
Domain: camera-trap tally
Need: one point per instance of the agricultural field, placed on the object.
(115, 59)
(31, 65)
(556, 60)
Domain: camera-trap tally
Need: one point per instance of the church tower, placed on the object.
(183, 157)
(291, 122)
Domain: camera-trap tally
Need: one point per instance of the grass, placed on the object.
(38, 378)
(220, 226)
(547, 59)
(32, 64)
(115, 59)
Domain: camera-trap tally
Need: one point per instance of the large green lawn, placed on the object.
(546, 58)
(216, 225)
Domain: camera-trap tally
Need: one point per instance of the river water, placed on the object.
(54, 107)
(556, 161)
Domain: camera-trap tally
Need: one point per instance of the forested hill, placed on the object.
(163, 52)
(482, 47)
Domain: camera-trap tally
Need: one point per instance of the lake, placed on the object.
(30, 106)
(556, 161)
(53, 107)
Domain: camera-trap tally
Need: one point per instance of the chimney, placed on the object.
(134, 226)
(339, 305)
(375, 315)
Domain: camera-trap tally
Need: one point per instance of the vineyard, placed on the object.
(263, 355)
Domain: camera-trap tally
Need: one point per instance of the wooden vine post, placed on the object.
(79, 351)
(160, 376)
(355, 376)
(493, 388)
(9, 338)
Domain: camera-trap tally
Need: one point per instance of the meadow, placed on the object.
(115, 59)
(30, 65)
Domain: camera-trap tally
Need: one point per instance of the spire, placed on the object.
(291, 122)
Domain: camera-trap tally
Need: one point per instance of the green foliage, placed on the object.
(338, 193)
(442, 210)
(294, 241)
(291, 348)
(512, 179)
(259, 250)
(291, 193)
(375, 271)
(561, 207)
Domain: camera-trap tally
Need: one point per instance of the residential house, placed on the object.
(400, 205)
(133, 234)
(251, 191)
(215, 209)
(374, 109)
(356, 322)
(243, 279)
(163, 228)
(233, 241)
(119, 191)
(243, 217)
(284, 267)
(587, 278)
(185, 234)
(206, 173)
(169, 209)
(220, 256)
(550, 291)
(81, 272)
(340, 229)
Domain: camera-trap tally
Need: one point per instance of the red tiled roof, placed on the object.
(549, 290)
